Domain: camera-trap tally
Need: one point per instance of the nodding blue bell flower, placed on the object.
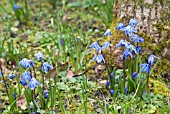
(151, 59)
(46, 94)
(12, 76)
(134, 75)
(131, 48)
(14, 95)
(122, 43)
(145, 68)
(39, 56)
(33, 84)
(99, 58)
(26, 76)
(25, 63)
(138, 49)
(136, 38)
(126, 91)
(133, 22)
(120, 26)
(112, 92)
(23, 82)
(144, 92)
(107, 83)
(106, 45)
(126, 53)
(96, 46)
(112, 75)
(129, 30)
(16, 7)
(0, 73)
(46, 67)
(61, 41)
(107, 33)
(32, 112)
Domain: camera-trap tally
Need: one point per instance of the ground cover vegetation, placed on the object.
(58, 56)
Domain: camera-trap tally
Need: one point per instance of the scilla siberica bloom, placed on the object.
(99, 58)
(112, 92)
(106, 45)
(145, 67)
(133, 22)
(16, 7)
(25, 77)
(46, 94)
(134, 75)
(12, 76)
(136, 38)
(0, 73)
(112, 75)
(129, 30)
(126, 53)
(39, 56)
(122, 43)
(151, 59)
(96, 46)
(33, 83)
(138, 49)
(25, 63)
(107, 83)
(46, 67)
(120, 26)
(131, 48)
(107, 33)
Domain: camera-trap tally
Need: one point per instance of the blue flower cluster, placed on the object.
(95, 45)
(26, 79)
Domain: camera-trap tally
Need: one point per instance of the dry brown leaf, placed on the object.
(70, 74)
(22, 102)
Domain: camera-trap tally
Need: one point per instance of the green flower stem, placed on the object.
(124, 68)
(43, 88)
(147, 84)
(6, 87)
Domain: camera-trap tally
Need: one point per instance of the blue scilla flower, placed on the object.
(39, 56)
(134, 75)
(133, 22)
(131, 48)
(46, 67)
(151, 59)
(12, 76)
(16, 7)
(107, 83)
(122, 43)
(126, 91)
(26, 76)
(0, 73)
(120, 26)
(96, 46)
(107, 33)
(23, 82)
(136, 38)
(112, 92)
(33, 84)
(14, 95)
(126, 53)
(129, 30)
(62, 42)
(99, 58)
(112, 75)
(145, 68)
(32, 112)
(138, 49)
(25, 63)
(106, 45)
(144, 92)
(46, 94)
